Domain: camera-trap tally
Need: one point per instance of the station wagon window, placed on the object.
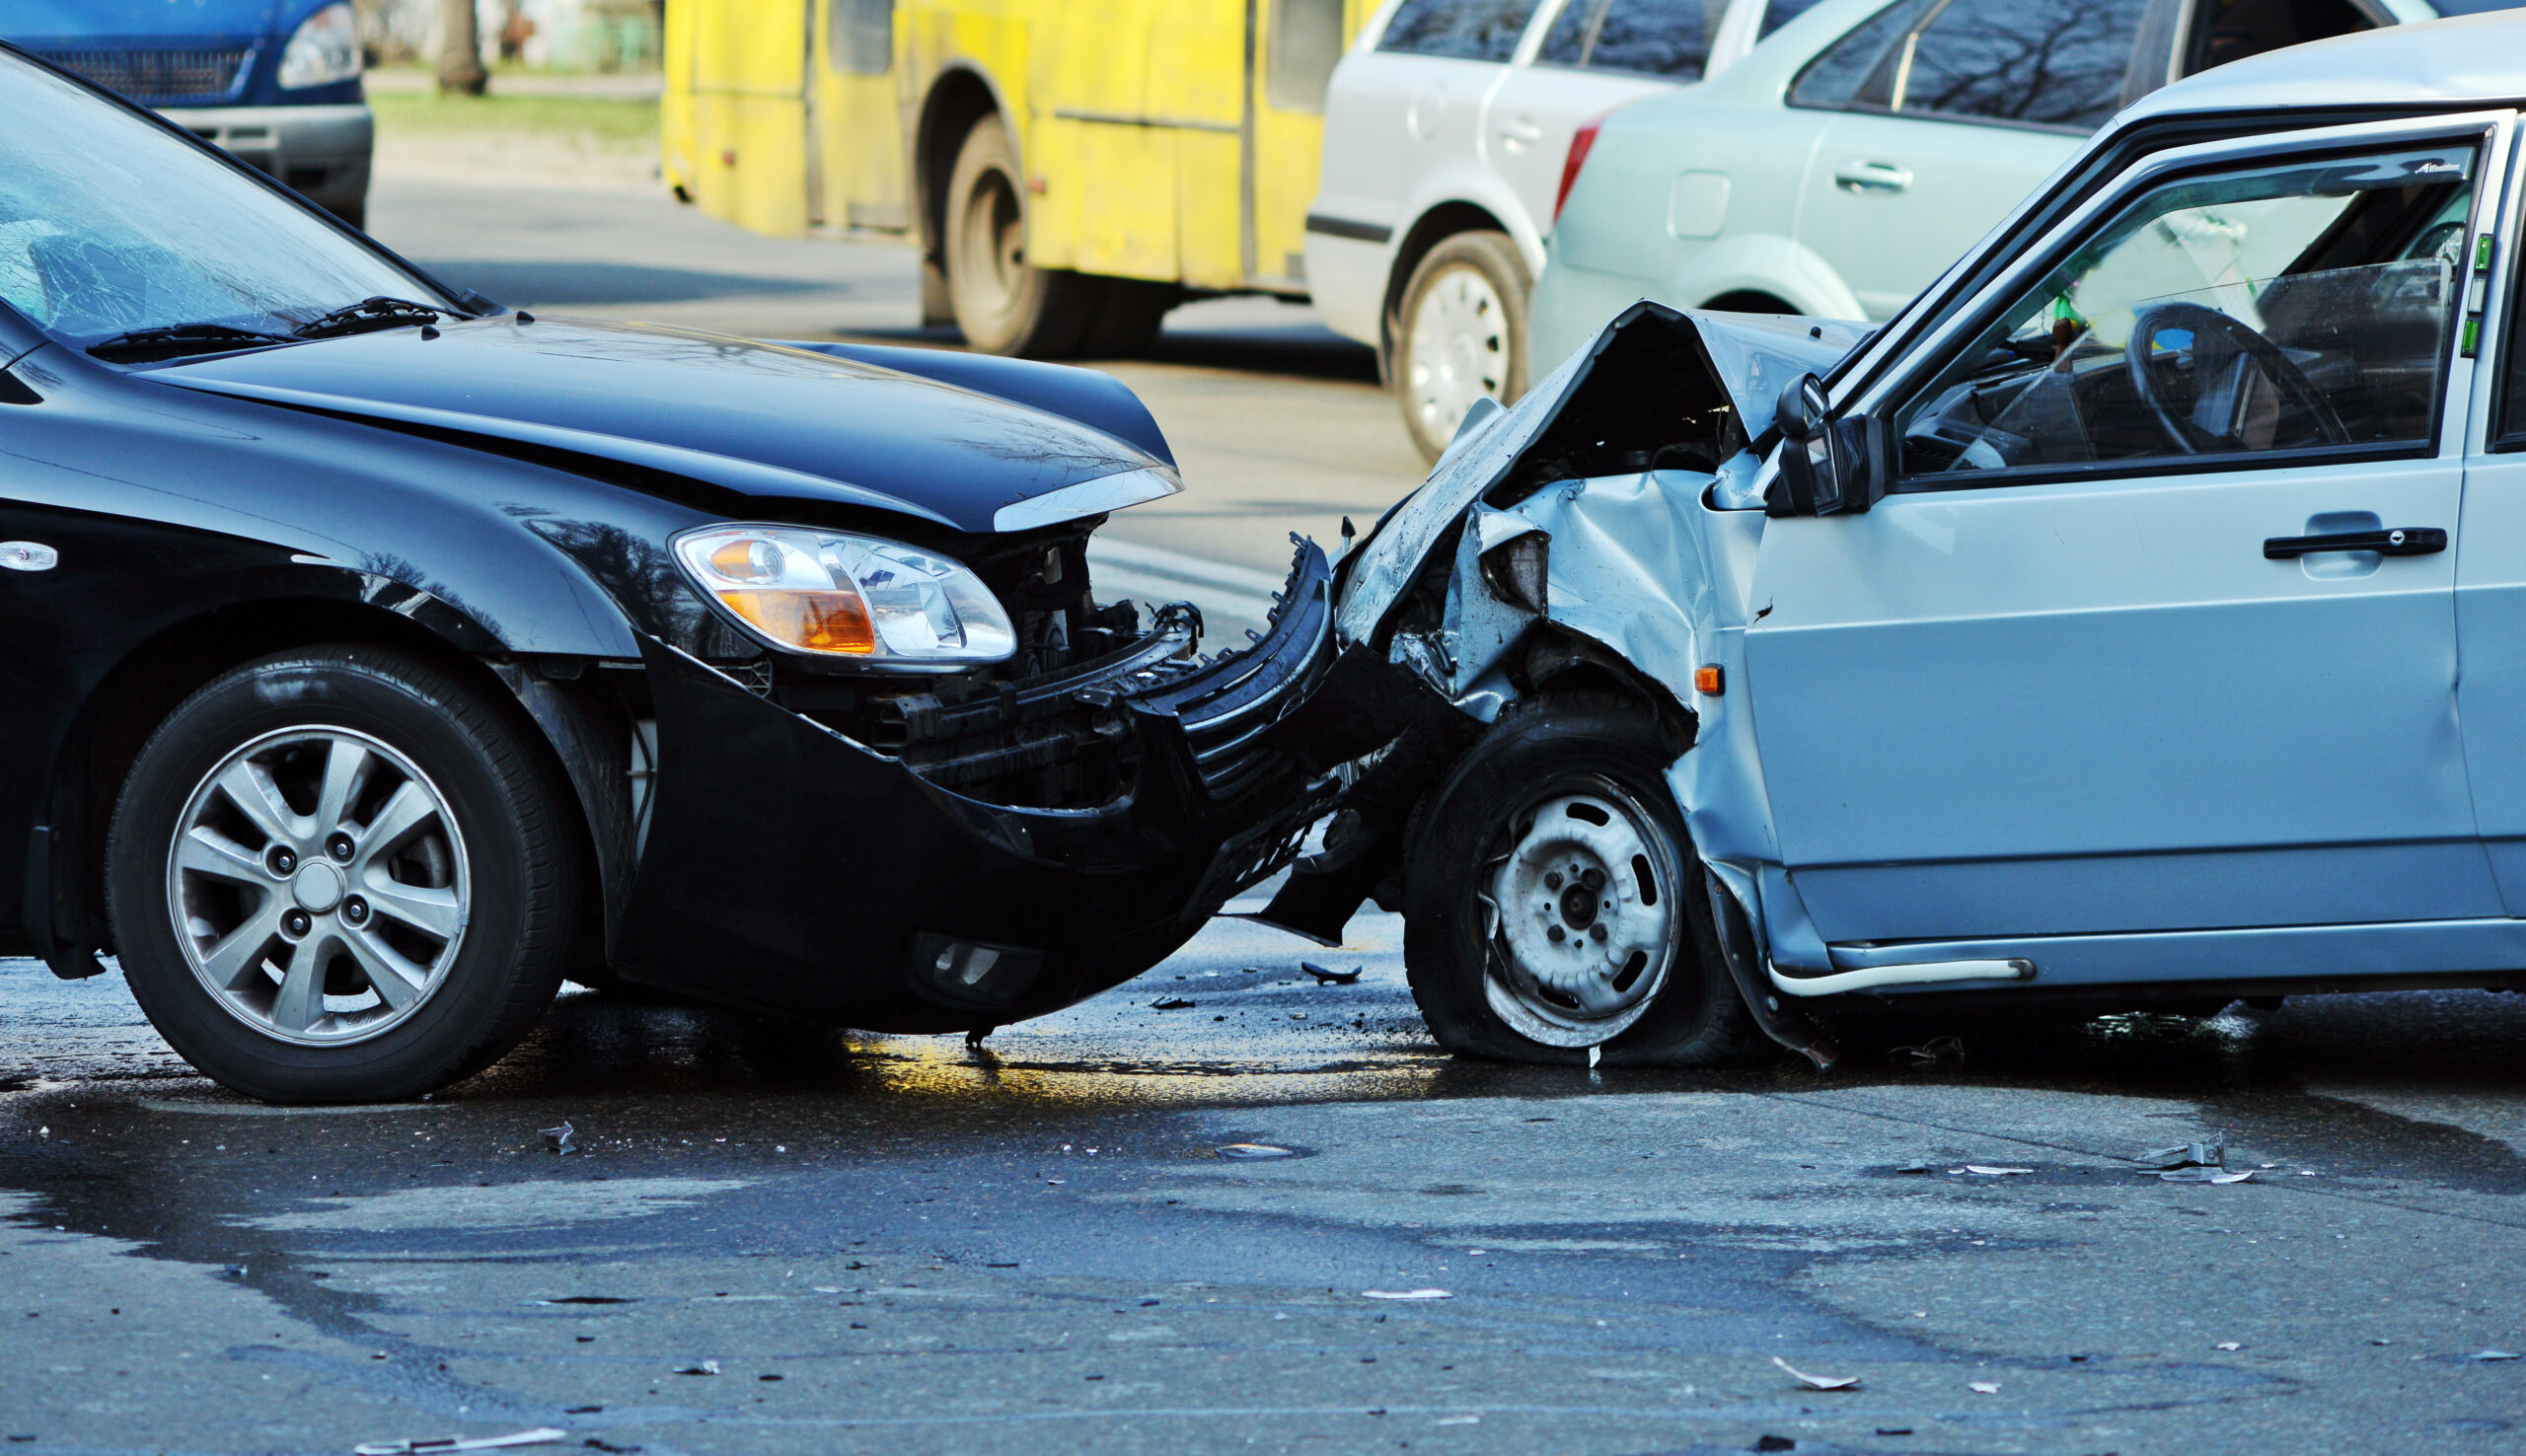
(1780, 13)
(1833, 79)
(2294, 307)
(859, 36)
(2035, 62)
(1460, 30)
(1645, 37)
(2232, 30)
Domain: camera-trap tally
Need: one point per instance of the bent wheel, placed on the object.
(337, 876)
(1554, 902)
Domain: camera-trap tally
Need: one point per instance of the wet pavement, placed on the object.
(898, 1245)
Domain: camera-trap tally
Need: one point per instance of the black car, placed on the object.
(373, 657)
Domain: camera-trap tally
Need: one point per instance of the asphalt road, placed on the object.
(897, 1245)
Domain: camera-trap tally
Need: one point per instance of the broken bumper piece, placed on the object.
(793, 869)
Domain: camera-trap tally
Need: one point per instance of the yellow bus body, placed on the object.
(1169, 140)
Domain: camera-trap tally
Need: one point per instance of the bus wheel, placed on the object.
(1002, 303)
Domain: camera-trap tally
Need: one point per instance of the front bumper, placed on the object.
(788, 867)
(321, 151)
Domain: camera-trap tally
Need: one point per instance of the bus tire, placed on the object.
(1005, 304)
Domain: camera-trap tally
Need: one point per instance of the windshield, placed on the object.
(110, 225)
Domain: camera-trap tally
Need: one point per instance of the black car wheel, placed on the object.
(1554, 902)
(337, 875)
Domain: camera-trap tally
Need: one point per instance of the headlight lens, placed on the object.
(862, 596)
(324, 49)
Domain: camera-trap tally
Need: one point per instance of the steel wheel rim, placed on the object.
(1459, 349)
(1588, 860)
(317, 885)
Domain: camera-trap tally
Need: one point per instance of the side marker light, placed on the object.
(1709, 680)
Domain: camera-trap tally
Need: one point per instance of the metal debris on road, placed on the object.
(2492, 1354)
(1982, 1387)
(1331, 978)
(1770, 1442)
(1406, 1294)
(2228, 1344)
(1931, 1053)
(706, 1367)
(1817, 1382)
(1171, 1004)
(2204, 1174)
(558, 1140)
(1988, 1170)
(541, 1435)
(2209, 1152)
(1250, 1152)
(1916, 1166)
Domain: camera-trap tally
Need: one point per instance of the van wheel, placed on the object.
(1552, 900)
(1460, 335)
(337, 875)
(1005, 304)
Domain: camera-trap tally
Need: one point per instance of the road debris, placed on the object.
(1988, 1170)
(1932, 1052)
(1406, 1294)
(541, 1435)
(2492, 1354)
(1817, 1382)
(2228, 1344)
(1254, 1152)
(1331, 978)
(1769, 1442)
(704, 1367)
(1982, 1387)
(1171, 1004)
(2202, 1175)
(559, 1140)
(1918, 1165)
(2209, 1152)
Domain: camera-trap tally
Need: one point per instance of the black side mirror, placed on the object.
(1828, 466)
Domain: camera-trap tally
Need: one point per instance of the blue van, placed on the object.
(275, 81)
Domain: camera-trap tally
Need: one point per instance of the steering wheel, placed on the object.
(2241, 342)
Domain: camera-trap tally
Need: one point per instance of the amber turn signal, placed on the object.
(1709, 680)
(819, 621)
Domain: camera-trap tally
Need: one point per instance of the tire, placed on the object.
(1129, 313)
(1460, 335)
(1516, 825)
(447, 874)
(1003, 304)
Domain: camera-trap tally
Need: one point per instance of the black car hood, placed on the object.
(769, 421)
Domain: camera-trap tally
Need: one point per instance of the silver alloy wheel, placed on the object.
(319, 886)
(1580, 917)
(1455, 349)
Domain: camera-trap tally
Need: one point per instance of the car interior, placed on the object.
(2300, 304)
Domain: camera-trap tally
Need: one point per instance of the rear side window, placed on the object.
(1780, 13)
(2232, 30)
(1460, 30)
(2035, 62)
(1834, 80)
(860, 39)
(1645, 37)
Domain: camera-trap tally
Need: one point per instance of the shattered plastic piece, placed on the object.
(706, 1367)
(1171, 1004)
(558, 1140)
(2204, 1175)
(1817, 1382)
(1407, 1294)
(1990, 1171)
(2228, 1344)
(1254, 1151)
(1982, 1387)
(2492, 1354)
(1331, 978)
(1893, 1430)
(2209, 1152)
(1933, 1052)
(541, 1435)
(1914, 1167)
(1593, 1054)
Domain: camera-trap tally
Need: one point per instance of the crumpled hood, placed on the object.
(772, 422)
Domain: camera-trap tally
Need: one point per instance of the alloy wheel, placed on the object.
(1458, 350)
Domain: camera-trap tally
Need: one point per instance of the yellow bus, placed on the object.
(1069, 168)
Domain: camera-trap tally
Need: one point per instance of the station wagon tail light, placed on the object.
(1581, 142)
(322, 51)
(832, 594)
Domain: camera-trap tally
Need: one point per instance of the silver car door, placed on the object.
(1594, 57)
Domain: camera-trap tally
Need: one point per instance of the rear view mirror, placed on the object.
(1828, 466)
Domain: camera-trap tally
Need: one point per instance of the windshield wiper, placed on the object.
(171, 340)
(368, 313)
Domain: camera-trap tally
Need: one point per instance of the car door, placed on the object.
(1593, 56)
(1410, 104)
(1962, 109)
(2157, 629)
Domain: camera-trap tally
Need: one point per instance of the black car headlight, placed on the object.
(833, 594)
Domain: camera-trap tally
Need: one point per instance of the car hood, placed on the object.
(774, 423)
(66, 20)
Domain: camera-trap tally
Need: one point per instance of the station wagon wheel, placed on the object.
(342, 875)
(1549, 905)
(1460, 335)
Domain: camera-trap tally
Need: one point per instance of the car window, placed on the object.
(1834, 78)
(1645, 37)
(2508, 428)
(859, 36)
(2232, 30)
(1307, 41)
(2039, 62)
(2304, 304)
(134, 228)
(1462, 30)
(1780, 13)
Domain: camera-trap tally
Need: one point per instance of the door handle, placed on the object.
(1521, 132)
(1859, 175)
(2399, 541)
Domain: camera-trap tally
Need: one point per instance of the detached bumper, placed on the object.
(790, 868)
(322, 152)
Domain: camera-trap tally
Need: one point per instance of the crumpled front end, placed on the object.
(927, 855)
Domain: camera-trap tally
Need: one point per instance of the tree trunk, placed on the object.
(460, 49)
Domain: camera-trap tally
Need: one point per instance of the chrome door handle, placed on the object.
(1859, 175)
(1520, 133)
(2399, 541)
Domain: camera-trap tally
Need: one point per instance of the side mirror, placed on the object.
(1828, 466)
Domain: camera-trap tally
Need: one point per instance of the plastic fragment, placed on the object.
(1931, 1053)
(1324, 976)
(1817, 1382)
(1251, 1153)
(2204, 1175)
(704, 1367)
(1171, 1004)
(1982, 1387)
(1988, 1170)
(1406, 1294)
(2492, 1354)
(541, 1435)
(1593, 1052)
(558, 1140)
(1916, 1166)
(1770, 1442)
(2228, 1344)
(2209, 1152)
